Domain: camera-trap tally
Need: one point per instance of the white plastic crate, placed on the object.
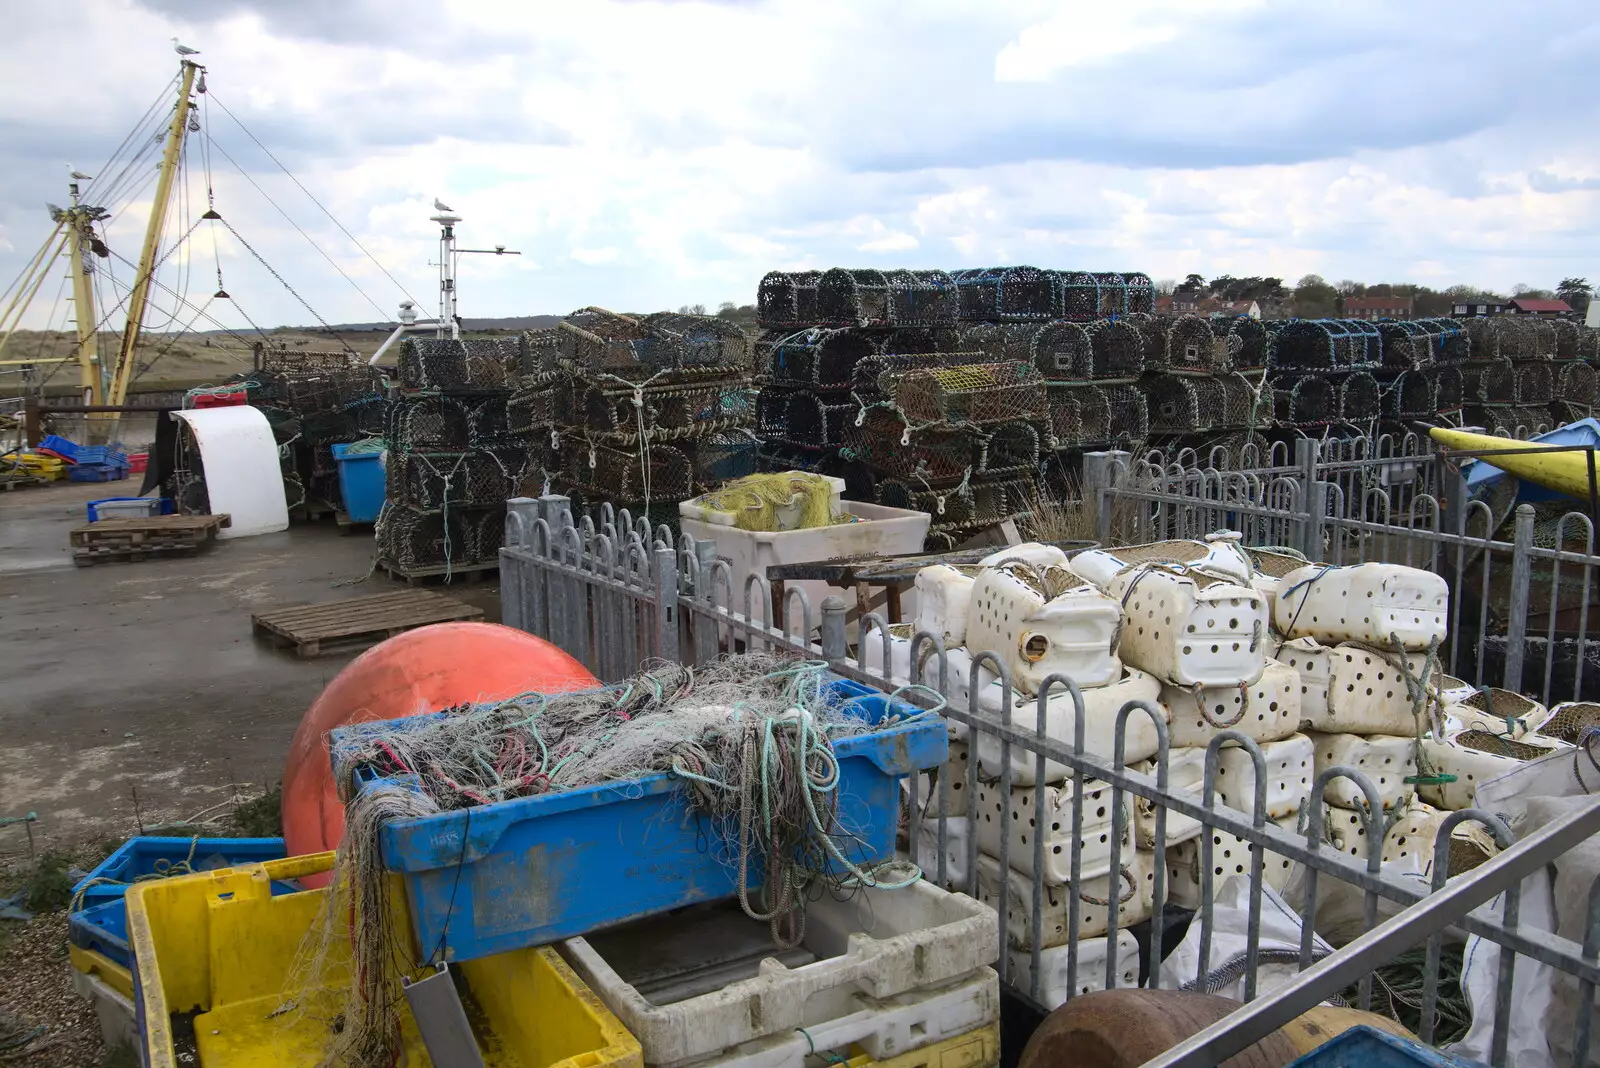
(943, 595)
(788, 515)
(1386, 759)
(1475, 757)
(1514, 716)
(1053, 988)
(1408, 846)
(1074, 634)
(1033, 553)
(955, 852)
(1230, 855)
(1310, 660)
(1095, 858)
(1186, 774)
(1265, 710)
(1367, 693)
(1133, 888)
(1373, 603)
(1289, 770)
(1189, 629)
(955, 766)
(879, 942)
(1100, 707)
(883, 1028)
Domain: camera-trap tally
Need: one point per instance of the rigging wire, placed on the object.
(259, 259)
(102, 174)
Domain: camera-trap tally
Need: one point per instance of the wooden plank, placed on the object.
(335, 626)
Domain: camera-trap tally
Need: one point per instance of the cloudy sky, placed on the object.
(645, 154)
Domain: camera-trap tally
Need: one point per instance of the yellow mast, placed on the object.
(139, 295)
(79, 234)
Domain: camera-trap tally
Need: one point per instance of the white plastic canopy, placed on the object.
(242, 475)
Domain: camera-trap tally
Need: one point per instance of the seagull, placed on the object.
(183, 49)
(439, 205)
(79, 176)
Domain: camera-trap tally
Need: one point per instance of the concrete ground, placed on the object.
(135, 693)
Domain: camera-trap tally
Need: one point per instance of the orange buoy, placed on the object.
(420, 671)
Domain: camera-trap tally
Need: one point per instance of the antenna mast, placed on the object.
(448, 319)
(80, 222)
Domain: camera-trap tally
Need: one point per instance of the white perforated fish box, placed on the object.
(1408, 845)
(1054, 986)
(1475, 757)
(1502, 712)
(1368, 694)
(1133, 889)
(1387, 760)
(1189, 629)
(788, 515)
(1264, 710)
(1373, 603)
(879, 942)
(878, 531)
(1101, 704)
(955, 770)
(1056, 830)
(1074, 634)
(1311, 660)
(842, 1020)
(1186, 774)
(1230, 855)
(955, 851)
(1289, 771)
(1033, 553)
(943, 597)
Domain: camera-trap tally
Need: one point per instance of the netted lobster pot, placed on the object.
(1080, 296)
(1130, 414)
(976, 393)
(1009, 449)
(295, 362)
(1184, 404)
(1407, 345)
(923, 298)
(308, 392)
(532, 409)
(672, 472)
(489, 421)
(1455, 344)
(1009, 294)
(1536, 382)
(1152, 337)
(438, 424)
(655, 410)
(1562, 413)
(905, 340)
(1001, 341)
(412, 540)
(1064, 351)
(788, 298)
(1452, 387)
(595, 339)
(1510, 421)
(1241, 404)
(1192, 348)
(1113, 293)
(698, 343)
(994, 500)
(1589, 343)
(1234, 450)
(802, 419)
(853, 297)
(439, 480)
(933, 456)
(447, 365)
(1247, 341)
(1488, 382)
(1327, 345)
(868, 379)
(1306, 400)
(1079, 415)
(1576, 383)
(294, 491)
(1360, 399)
(540, 351)
(1141, 293)
(1120, 349)
(1564, 339)
(819, 359)
(326, 426)
(953, 504)
(1484, 337)
(1412, 395)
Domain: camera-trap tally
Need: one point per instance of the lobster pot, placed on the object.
(923, 298)
(1289, 769)
(998, 499)
(1101, 704)
(1064, 351)
(1130, 415)
(1452, 388)
(931, 456)
(327, 426)
(1079, 415)
(704, 405)
(1190, 629)
(1359, 398)
(1577, 383)
(437, 424)
(1080, 295)
(1368, 694)
(1408, 346)
(1473, 757)
(1306, 400)
(954, 504)
(1131, 887)
(1009, 294)
(1535, 382)
(326, 389)
(819, 359)
(598, 340)
(1141, 293)
(410, 539)
(1386, 759)
(1056, 986)
(1248, 343)
(975, 394)
(1009, 449)
(693, 343)
(1113, 294)
(1240, 405)
(1007, 341)
(532, 409)
(1056, 830)
(1311, 661)
(1488, 382)
(1186, 773)
(1036, 635)
(1182, 405)
(874, 376)
(802, 419)
(1589, 344)
(1266, 710)
(853, 297)
(1455, 344)
(1570, 721)
(1513, 422)
(1373, 603)
(1230, 855)
(427, 481)
(450, 365)
(1412, 395)
(539, 352)
(323, 482)
(1327, 345)
(1119, 348)
(371, 416)
(1193, 349)
(787, 298)
(669, 472)
(1566, 344)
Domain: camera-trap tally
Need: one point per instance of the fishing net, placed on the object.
(1306, 401)
(974, 394)
(817, 358)
(1488, 382)
(532, 408)
(1535, 382)
(468, 364)
(540, 351)
(1577, 383)
(1411, 395)
(755, 500)
(430, 480)
(788, 298)
(1360, 398)
(802, 419)
(928, 456)
(1009, 294)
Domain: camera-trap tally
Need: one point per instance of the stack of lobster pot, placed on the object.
(1577, 382)
(1420, 375)
(1509, 379)
(1320, 371)
(1205, 389)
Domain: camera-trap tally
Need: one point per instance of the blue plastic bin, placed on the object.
(61, 446)
(361, 483)
(534, 870)
(1368, 1047)
(155, 506)
(99, 920)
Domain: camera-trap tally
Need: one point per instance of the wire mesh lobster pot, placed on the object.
(325, 426)
(1360, 399)
(1064, 351)
(540, 350)
(1009, 449)
(438, 424)
(1113, 293)
(977, 394)
(1246, 340)
(1536, 382)
(410, 540)
(595, 339)
(1451, 383)
(672, 472)
(923, 298)
(1512, 420)
(818, 358)
(953, 504)
(1488, 382)
(801, 418)
(532, 408)
(857, 297)
(868, 381)
(1140, 293)
(704, 343)
(1455, 344)
(1079, 415)
(903, 340)
(1009, 294)
(1412, 395)
(1152, 331)
(1121, 349)
(432, 480)
(326, 390)
(1577, 383)
(932, 456)
(1186, 404)
(788, 298)
(1192, 348)
(448, 365)
(655, 410)
(1327, 345)
(312, 363)
(1080, 296)
(1408, 345)
(1306, 400)
(994, 500)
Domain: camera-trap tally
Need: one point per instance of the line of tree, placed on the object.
(1315, 297)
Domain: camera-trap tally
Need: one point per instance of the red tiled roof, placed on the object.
(1524, 305)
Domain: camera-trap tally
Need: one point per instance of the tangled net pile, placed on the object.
(750, 736)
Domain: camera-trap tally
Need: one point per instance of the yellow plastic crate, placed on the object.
(975, 1049)
(103, 968)
(220, 943)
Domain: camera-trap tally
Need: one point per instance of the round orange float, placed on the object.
(420, 671)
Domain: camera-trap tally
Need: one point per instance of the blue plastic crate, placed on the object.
(158, 505)
(1368, 1047)
(61, 446)
(97, 472)
(534, 870)
(99, 920)
(361, 483)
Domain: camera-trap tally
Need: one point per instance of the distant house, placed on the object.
(1377, 307)
(1472, 309)
(1189, 302)
(1544, 309)
(1241, 307)
(1164, 306)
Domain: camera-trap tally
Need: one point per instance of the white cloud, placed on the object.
(596, 256)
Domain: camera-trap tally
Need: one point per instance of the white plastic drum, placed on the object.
(1056, 830)
(243, 478)
(943, 594)
(1310, 659)
(1373, 603)
(1385, 759)
(1230, 855)
(1289, 769)
(1073, 634)
(1100, 707)
(1186, 772)
(1189, 629)
(1133, 889)
(1367, 693)
(1265, 710)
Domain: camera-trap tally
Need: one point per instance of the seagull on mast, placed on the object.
(183, 49)
(79, 176)
(439, 205)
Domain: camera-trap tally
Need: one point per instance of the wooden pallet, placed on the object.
(340, 626)
(466, 574)
(143, 537)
